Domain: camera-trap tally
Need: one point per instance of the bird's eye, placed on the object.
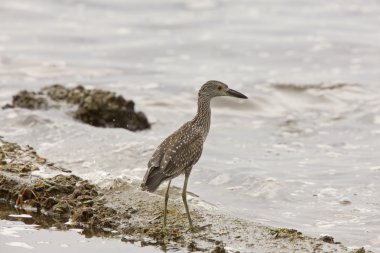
(219, 87)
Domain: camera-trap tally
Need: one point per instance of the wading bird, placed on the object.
(178, 153)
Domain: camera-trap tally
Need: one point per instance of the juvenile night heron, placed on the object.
(178, 153)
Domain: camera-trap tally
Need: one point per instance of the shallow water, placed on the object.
(299, 155)
(17, 236)
(28, 232)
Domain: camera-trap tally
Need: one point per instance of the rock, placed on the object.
(327, 238)
(105, 109)
(77, 94)
(62, 208)
(192, 246)
(345, 201)
(29, 100)
(291, 234)
(95, 107)
(56, 92)
(7, 106)
(49, 203)
(83, 214)
(218, 248)
(360, 250)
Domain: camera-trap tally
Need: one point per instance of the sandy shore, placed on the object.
(121, 208)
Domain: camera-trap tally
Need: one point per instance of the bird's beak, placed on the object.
(236, 94)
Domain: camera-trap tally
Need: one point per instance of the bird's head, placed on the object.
(215, 89)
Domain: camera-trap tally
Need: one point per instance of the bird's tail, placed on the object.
(153, 179)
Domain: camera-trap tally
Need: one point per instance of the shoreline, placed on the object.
(123, 209)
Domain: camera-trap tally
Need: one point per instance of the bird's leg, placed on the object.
(187, 174)
(166, 203)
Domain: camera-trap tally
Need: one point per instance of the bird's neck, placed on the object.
(203, 117)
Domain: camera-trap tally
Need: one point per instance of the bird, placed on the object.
(181, 150)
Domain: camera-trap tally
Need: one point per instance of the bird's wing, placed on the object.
(169, 143)
(183, 154)
(160, 151)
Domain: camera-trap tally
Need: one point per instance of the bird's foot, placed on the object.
(196, 229)
(164, 230)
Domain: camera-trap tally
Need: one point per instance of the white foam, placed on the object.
(220, 179)
(19, 244)
(20, 215)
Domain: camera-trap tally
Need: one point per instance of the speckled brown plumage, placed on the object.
(181, 150)
(178, 153)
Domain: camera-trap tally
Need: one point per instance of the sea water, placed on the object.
(301, 152)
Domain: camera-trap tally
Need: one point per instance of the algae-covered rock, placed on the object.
(8, 188)
(29, 100)
(77, 95)
(49, 203)
(360, 250)
(327, 238)
(62, 208)
(60, 195)
(219, 248)
(83, 214)
(56, 92)
(96, 107)
(290, 234)
(104, 109)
